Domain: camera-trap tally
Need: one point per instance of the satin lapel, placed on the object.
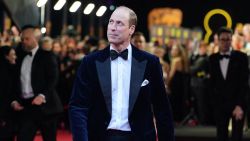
(230, 64)
(104, 75)
(218, 67)
(137, 73)
(35, 63)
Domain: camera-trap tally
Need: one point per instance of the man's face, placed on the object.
(28, 39)
(119, 30)
(139, 42)
(225, 40)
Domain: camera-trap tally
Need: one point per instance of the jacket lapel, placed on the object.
(218, 68)
(137, 74)
(35, 60)
(104, 74)
(138, 67)
(230, 64)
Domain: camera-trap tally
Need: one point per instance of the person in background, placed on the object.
(118, 91)
(46, 43)
(138, 40)
(228, 71)
(159, 52)
(213, 46)
(7, 72)
(36, 100)
(176, 82)
(246, 35)
(199, 84)
(238, 42)
(102, 44)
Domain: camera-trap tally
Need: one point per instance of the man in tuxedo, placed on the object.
(120, 90)
(229, 85)
(36, 101)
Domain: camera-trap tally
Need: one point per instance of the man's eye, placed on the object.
(110, 22)
(119, 23)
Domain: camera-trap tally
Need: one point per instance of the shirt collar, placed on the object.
(34, 50)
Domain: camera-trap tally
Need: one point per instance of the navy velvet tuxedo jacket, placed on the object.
(90, 105)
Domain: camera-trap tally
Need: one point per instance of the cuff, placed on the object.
(13, 102)
(43, 96)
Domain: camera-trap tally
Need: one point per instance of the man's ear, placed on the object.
(132, 29)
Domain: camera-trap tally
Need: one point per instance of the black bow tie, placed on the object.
(224, 56)
(123, 54)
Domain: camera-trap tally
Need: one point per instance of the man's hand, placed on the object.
(16, 106)
(38, 100)
(238, 113)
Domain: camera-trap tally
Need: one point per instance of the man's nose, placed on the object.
(113, 27)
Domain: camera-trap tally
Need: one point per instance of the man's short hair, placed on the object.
(224, 30)
(132, 16)
(28, 26)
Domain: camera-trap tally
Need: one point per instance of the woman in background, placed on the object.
(177, 81)
(7, 63)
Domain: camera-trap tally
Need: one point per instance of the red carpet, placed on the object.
(62, 135)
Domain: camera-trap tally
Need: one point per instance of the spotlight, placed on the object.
(101, 11)
(74, 7)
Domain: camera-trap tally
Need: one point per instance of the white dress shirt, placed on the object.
(120, 78)
(25, 77)
(224, 64)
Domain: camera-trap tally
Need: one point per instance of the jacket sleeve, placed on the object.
(244, 76)
(51, 74)
(161, 105)
(79, 103)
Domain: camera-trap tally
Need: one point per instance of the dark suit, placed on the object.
(44, 73)
(90, 104)
(229, 92)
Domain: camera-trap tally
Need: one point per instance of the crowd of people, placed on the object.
(42, 69)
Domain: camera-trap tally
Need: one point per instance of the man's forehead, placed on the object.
(120, 13)
(225, 34)
(27, 32)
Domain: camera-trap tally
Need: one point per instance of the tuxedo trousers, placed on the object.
(32, 120)
(117, 135)
(222, 121)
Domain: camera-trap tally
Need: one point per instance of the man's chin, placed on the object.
(26, 49)
(113, 42)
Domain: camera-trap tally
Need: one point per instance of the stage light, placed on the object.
(74, 7)
(112, 7)
(59, 4)
(89, 8)
(43, 30)
(101, 11)
(41, 3)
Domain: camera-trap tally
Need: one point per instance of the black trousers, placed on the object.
(32, 120)
(28, 129)
(222, 122)
(117, 135)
